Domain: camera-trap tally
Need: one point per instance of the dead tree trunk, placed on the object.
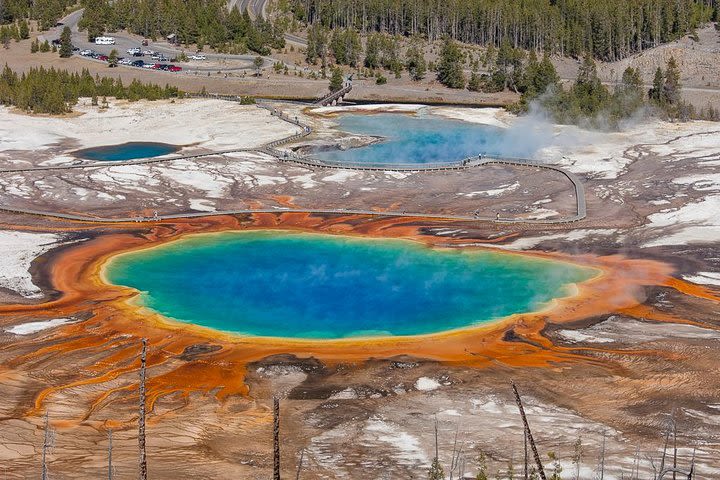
(300, 464)
(141, 418)
(47, 442)
(276, 438)
(674, 477)
(602, 459)
(110, 467)
(525, 464)
(536, 455)
(665, 445)
(691, 474)
(436, 440)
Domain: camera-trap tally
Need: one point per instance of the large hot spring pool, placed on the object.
(282, 284)
(126, 151)
(423, 139)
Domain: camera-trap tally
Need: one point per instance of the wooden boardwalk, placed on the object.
(291, 157)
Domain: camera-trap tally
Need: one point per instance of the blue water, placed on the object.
(282, 284)
(126, 151)
(416, 139)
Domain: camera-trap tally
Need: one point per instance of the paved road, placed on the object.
(270, 149)
(258, 9)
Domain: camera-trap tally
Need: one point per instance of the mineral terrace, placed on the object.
(614, 366)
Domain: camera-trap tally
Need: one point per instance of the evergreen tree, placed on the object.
(474, 84)
(317, 41)
(671, 86)
(5, 36)
(372, 51)
(450, 67)
(113, 58)
(346, 47)
(655, 92)
(336, 80)
(436, 471)
(482, 467)
(628, 96)
(556, 467)
(508, 66)
(66, 43)
(415, 63)
(258, 63)
(549, 77)
(24, 29)
(589, 94)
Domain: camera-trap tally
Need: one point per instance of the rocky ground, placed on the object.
(653, 193)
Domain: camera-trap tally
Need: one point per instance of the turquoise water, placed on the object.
(282, 284)
(422, 139)
(126, 151)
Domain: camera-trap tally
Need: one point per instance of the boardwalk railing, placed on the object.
(287, 156)
(333, 96)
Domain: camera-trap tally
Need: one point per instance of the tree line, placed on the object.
(46, 12)
(587, 101)
(609, 29)
(52, 91)
(201, 22)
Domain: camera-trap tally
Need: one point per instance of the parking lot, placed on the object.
(134, 57)
(202, 64)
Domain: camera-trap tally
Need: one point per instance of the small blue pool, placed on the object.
(126, 151)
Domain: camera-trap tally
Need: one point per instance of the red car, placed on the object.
(104, 58)
(156, 66)
(174, 68)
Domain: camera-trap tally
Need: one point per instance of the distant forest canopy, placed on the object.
(52, 91)
(202, 22)
(46, 12)
(609, 29)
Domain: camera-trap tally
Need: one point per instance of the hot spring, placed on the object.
(298, 285)
(126, 151)
(423, 139)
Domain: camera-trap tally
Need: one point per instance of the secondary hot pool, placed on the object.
(422, 139)
(126, 151)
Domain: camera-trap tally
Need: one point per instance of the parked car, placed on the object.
(138, 63)
(144, 43)
(174, 68)
(86, 53)
(59, 24)
(134, 50)
(149, 65)
(75, 49)
(104, 40)
(137, 54)
(125, 61)
(198, 56)
(56, 41)
(148, 52)
(103, 58)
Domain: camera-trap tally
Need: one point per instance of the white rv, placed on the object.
(104, 40)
